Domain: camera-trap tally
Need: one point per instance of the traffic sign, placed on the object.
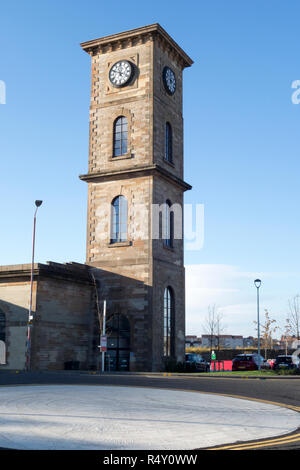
(103, 343)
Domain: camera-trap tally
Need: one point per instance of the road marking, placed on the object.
(255, 445)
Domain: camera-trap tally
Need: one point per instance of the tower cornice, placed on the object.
(146, 170)
(124, 39)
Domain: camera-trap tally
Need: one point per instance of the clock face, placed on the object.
(169, 80)
(120, 73)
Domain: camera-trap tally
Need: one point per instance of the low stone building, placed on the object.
(68, 306)
(63, 321)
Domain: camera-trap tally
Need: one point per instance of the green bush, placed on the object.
(288, 371)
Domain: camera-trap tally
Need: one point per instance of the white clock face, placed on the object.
(169, 80)
(120, 73)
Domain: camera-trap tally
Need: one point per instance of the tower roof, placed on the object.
(153, 29)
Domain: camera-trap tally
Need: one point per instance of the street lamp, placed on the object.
(38, 203)
(257, 284)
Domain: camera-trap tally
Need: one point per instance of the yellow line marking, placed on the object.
(279, 440)
(258, 445)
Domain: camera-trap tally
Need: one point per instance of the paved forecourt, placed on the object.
(122, 417)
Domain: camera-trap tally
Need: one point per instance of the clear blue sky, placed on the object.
(241, 138)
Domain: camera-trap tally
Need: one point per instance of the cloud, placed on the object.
(232, 290)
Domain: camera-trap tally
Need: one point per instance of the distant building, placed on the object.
(249, 342)
(192, 341)
(222, 341)
(290, 342)
(276, 344)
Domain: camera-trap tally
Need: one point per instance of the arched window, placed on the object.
(119, 220)
(168, 322)
(2, 326)
(169, 225)
(168, 143)
(120, 136)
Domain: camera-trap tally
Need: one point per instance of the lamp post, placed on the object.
(257, 284)
(38, 203)
(103, 335)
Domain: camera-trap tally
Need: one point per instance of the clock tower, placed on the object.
(135, 194)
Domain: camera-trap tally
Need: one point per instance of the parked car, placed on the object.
(285, 362)
(249, 362)
(196, 362)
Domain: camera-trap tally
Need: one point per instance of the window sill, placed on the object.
(169, 163)
(118, 244)
(121, 157)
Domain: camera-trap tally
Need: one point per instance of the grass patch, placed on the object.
(249, 373)
(288, 372)
(245, 373)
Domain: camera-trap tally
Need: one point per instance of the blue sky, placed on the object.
(241, 140)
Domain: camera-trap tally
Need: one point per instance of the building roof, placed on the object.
(69, 271)
(223, 336)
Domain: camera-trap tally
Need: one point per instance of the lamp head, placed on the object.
(257, 283)
(38, 203)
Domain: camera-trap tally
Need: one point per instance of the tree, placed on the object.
(268, 328)
(219, 328)
(213, 325)
(294, 316)
(287, 333)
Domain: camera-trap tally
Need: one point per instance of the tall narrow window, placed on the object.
(168, 322)
(120, 136)
(169, 225)
(119, 220)
(168, 143)
(2, 327)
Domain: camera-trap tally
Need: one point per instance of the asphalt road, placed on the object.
(284, 391)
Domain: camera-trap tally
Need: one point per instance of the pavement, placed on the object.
(93, 417)
(147, 411)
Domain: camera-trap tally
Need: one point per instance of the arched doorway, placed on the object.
(118, 343)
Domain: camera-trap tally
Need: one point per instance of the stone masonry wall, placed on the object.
(14, 303)
(167, 108)
(63, 324)
(107, 103)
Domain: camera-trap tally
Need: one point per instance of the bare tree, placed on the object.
(294, 316)
(287, 333)
(219, 328)
(213, 325)
(268, 328)
(210, 323)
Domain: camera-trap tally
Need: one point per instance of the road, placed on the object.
(283, 391)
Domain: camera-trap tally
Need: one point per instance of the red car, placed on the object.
(247, 362)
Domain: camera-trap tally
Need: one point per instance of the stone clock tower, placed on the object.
(135, 194)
